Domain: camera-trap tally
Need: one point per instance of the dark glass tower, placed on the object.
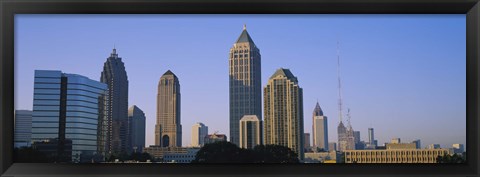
(136, 119)
(245, 82)
(114, 126)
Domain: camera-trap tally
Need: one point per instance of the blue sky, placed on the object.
(403, 75)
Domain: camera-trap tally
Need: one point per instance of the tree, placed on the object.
(141, 157)
(218, 152)
(225, 152)
(274, 154)
(446, 158)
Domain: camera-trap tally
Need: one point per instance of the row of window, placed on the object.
(359, 160)
(396, 153)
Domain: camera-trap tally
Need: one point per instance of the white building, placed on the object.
(199, 131)
(181, 157)
(320, 129)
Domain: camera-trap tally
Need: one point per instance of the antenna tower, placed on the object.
(340, 115)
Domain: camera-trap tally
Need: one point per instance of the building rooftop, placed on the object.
(317, 111)
(244, 37)
(284, 72)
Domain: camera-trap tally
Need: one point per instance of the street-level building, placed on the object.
(394, 156)
(250, 132)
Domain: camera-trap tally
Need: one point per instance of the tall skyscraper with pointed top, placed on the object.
(283, 109)
(168, 130)
(245, 82)
(114, 133)
(320, 128)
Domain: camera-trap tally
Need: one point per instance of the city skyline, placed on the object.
(354, 91)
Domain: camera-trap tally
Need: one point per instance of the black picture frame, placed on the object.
(8, 9)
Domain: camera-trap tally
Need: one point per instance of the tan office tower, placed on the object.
(245, 82)
(168, 130)
(283, 123)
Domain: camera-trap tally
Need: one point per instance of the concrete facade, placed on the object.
(320, 129)
(283, 124)
(394, 156)
(199, 131)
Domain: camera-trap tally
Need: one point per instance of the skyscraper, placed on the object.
(23, 128)
(250, 131)
(320, 129)
(283, 106)
(199, 132)
(245, 82)
(306, 142)
(371, 137)
(136, 118)
(356, 135)
(114, 134)
(66, 111)
(417, 143)
(168, 130)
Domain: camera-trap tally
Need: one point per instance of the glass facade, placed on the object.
(23, 127)
(137, 128)
(65, 106)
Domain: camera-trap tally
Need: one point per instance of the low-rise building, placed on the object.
(212, 138)
(181, 157)
(172, 154)
(394, 156)
(401, 146)
(321, 157)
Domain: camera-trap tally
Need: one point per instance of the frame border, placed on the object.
(8, 9)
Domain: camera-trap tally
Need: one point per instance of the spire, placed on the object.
(114, 52)
(317, 111)
(169, 73)
(244, 37)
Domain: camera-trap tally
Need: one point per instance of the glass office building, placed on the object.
(66, 108)
(23, 128)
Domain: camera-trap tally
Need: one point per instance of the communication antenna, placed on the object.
(348, 118)
(340, 115)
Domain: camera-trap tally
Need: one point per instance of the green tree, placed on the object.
(447, 158)
(274, 154)
(141, 157)
(225, 152)
(218, 152)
